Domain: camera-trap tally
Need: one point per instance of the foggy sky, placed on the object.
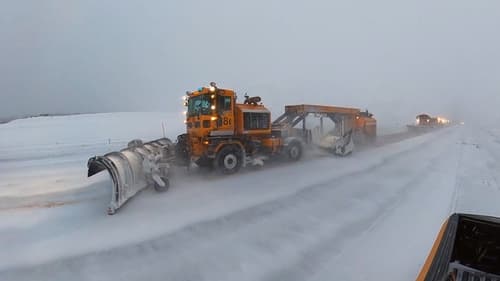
(396, 58)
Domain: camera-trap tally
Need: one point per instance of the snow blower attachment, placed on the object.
(341, 146)
(350, 126)
(135, 168)
(467, 248)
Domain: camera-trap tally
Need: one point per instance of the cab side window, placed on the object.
(224, 103)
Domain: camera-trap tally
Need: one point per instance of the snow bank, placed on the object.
(49, 154)
(54, 136)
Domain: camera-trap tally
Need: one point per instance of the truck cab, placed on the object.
(365, 127)
(214, 120)
(210, 113)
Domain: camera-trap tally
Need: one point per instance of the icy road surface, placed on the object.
(371, 216)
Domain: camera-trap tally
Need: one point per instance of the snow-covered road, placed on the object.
(373, 215)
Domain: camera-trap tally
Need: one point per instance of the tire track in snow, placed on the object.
(402, 237)
(335, 245)
(456, 190)
(478, 188)
(492, 149)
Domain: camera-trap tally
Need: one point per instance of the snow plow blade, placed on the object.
(135, 168)
(467, 248)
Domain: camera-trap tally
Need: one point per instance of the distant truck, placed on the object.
(424, 122)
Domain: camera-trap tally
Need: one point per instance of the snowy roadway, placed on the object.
(371, 216)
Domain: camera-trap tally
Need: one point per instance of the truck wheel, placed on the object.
(160, 188)
(294, 151)
(229, 159)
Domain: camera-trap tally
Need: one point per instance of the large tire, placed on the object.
(294, 151)
(229, 159)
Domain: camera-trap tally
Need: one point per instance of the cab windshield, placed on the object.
(199, 105)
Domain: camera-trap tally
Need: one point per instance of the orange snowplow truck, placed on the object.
(227, 135)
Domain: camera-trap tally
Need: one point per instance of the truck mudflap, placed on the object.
(135, 168)
(466, 248)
